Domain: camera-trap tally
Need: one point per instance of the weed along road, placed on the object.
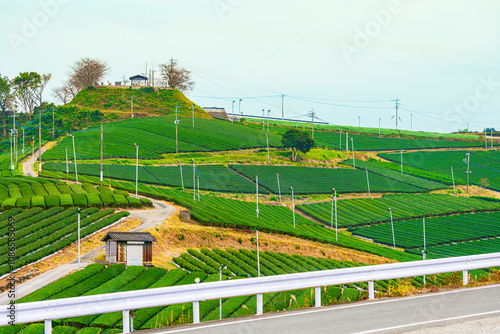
(462, 310)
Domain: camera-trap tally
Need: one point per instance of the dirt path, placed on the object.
(28, 164)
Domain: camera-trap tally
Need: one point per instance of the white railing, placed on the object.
(194, 293)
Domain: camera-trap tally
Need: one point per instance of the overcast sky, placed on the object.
(342, 58)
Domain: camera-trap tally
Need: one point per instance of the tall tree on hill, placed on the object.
(297, 140)
(65, 93)
(6, 100)
(44, 80)
(86, 72)
(175, 76)
(27, 86)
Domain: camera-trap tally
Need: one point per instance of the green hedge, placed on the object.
(52, 201)
(121, 201)
(24, 202)
(64, 189)
(38, 201)
(104, 190)
(107, 199)
(90, 188)
(134, 202)
(66, 200)
(79, 200)
(121, 192)
(94, 200)
(146, 202)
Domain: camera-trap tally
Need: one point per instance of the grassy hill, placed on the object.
(148, 101)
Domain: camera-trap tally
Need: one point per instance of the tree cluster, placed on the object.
(85, 72)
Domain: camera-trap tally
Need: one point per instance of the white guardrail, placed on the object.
(194, 293)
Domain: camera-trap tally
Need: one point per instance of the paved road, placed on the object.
(28, 164)
(459, 308)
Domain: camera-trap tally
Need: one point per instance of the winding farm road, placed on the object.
(149, 217)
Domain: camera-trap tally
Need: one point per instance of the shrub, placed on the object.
(94, 200)
(51, 201)
(240, 240)
(79, 200)
(107, 199)
(104, 190)
(121, 192)
(121, 201)
(39, 201)
(181, 236)
(24, 202)
(90, 188)
(64, 189)
(146, 202)
(9, 203)
(66, 200)
(134, 202)
(77, 189)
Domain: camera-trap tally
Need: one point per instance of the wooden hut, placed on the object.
(129, 248)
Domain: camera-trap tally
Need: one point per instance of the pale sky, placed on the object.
(440, 57)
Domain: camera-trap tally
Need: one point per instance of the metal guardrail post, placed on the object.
(196, 312)
(126, 321)
(465, 277)
(371, 290)
(259, 304)
(317, 297)
(48, 326)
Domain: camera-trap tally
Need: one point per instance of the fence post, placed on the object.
(317, 297)
(259, 304)
(126, 321)
(371, 290)
(48, 326)
(465, 277)
(196, 312)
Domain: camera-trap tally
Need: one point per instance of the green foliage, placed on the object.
(310, 180)
(146, 202)
(439, 231)
(151, 134)
(80, 200)
(396, 175)
(364, 211)
(51, 201)
(23, 202)
(134, 202)
(483, 164)
(297, 140)
(212, 177)
(38, 201)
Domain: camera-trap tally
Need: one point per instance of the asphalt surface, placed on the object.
(456, 311)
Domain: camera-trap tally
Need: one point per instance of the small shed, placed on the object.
(139, 80)
(129, 248)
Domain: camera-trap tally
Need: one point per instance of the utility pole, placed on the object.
(312, 114)
(193, 115)
(40, 143)
(453, 180)
(397, 109)
(268, 112)
(67, 162)
(282, 107)
(102, 151)
(402, 161)
(279, 186)
(347, 144)
(176, 130)
(340, 145)
(131, 107)
(379, 126)
(411, 122)
(23, 140)
(257, 194)
(263, 122)
(194, 180)
(239, 106)
(268, 158)
(359, 121)
(182, 179)
(352, 149)
(467, 161)
(53, 123)
(136, 168)
(232, 112)
(293, 207)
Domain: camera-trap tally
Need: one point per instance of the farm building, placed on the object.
(139, 80)
(129, 248)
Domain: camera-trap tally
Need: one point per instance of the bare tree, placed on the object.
(44, 80)
(63, 94)
(26, 89)
(175, 76)
(88, 71)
